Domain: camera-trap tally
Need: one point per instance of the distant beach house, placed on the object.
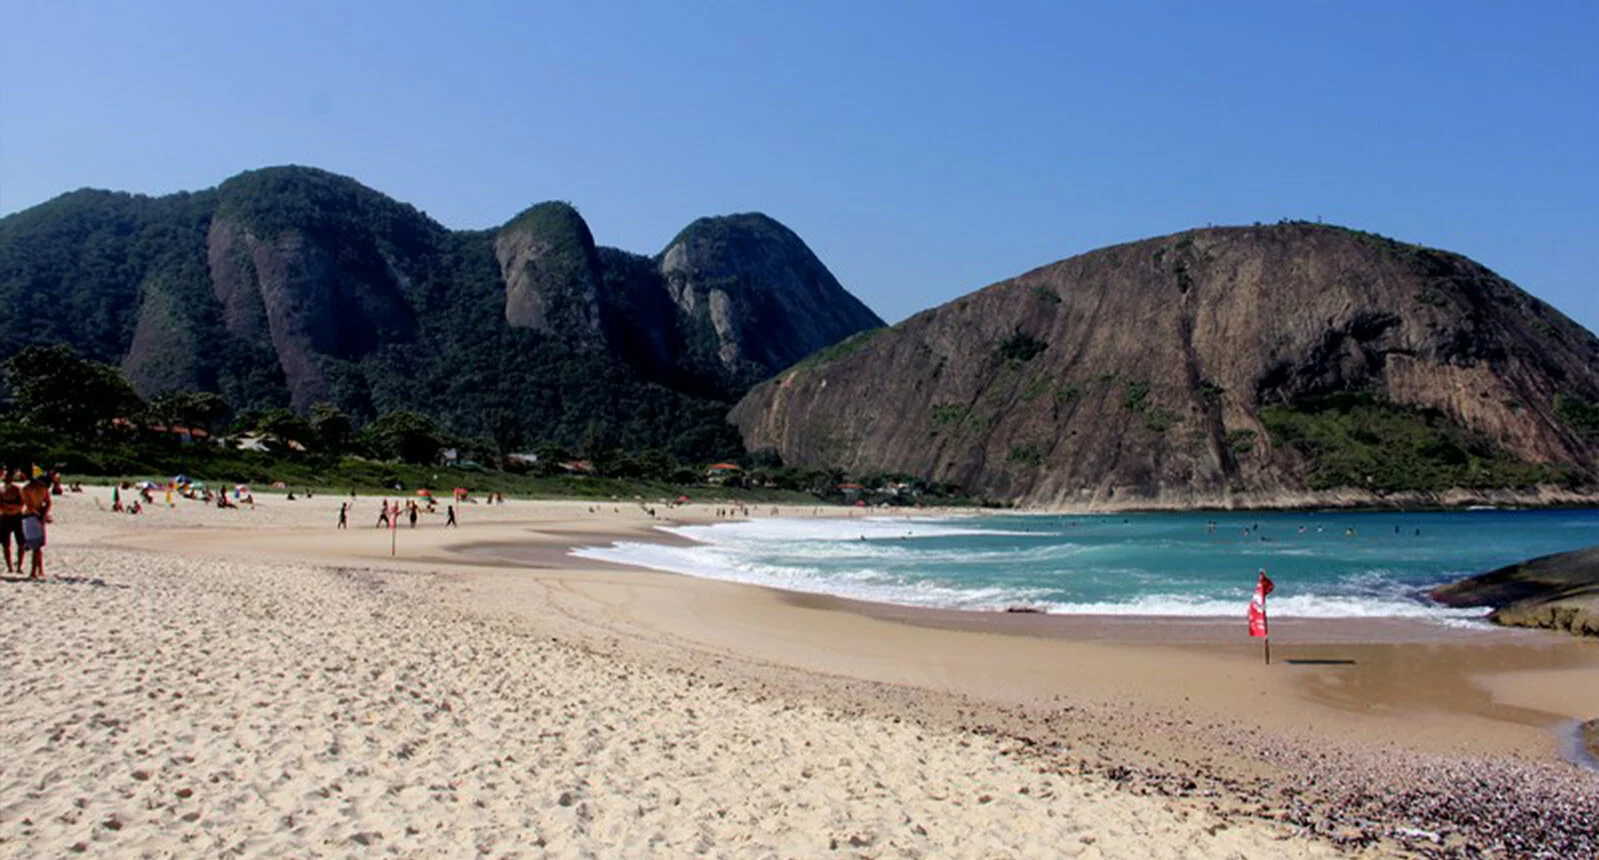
(263, 442)
(851, 491)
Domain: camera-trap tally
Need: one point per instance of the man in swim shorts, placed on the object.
(35, 514)
(11, 515)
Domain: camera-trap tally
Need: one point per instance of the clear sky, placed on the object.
(922, 149)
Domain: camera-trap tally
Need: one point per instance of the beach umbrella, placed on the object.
(196, 485)
(426, 494)
(684, 499)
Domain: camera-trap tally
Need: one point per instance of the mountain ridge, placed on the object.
(292, 285)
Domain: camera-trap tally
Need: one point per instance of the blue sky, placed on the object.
(922, 149)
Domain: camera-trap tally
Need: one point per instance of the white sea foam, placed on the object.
(733, 560)
(839, 529)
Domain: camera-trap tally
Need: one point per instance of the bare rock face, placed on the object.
(312, 287)
(754, 290)
(551, 271)
(1215, 367)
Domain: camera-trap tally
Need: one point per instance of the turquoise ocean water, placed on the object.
(1327, 565)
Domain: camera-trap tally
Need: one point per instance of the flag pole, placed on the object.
(1268, 628)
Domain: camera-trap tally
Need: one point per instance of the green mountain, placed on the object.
(293, 286)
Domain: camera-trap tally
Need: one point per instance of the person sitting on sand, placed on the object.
(11, 515)
(35, 514)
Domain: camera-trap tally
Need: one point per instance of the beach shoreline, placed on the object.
(1192, 721)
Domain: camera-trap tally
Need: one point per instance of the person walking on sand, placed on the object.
(35, 513)
(11, 515)
(344, 515)
(449, 518)
(383, 515)
(410, 513)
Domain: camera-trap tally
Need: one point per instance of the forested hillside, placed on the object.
(293, 286)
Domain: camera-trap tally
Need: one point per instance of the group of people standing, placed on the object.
(389, 514)
(24, 512)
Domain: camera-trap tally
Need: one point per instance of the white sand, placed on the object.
(163, 705)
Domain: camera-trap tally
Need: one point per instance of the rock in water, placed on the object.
(1557, 592)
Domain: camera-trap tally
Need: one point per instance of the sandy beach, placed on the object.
(203, 682)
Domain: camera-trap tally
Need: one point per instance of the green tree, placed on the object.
(332, 428)
(202, 409)
(53, 388)
(285, 426)
(406, 436)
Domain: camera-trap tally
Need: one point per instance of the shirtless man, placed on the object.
(11, 516)
(35, 514)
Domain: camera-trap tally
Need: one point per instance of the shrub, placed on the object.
(1021, 347)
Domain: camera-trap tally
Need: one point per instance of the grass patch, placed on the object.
(1135, 395)
(1359, 440)
(1025, 455)
(946, 414)
(1160, 420)
(1580, 414)
(843, 349)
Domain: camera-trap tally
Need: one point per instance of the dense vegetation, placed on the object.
(81, 417)
(1358, 440)
(126, 279)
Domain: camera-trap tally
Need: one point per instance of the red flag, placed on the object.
(1257, 606)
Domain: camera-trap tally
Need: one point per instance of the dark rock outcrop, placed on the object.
(749, 287)
(551, 271)
(1555, 592)
(1226, 366)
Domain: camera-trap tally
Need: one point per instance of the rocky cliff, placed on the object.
(292, 286)
(758, 293)
(1286, 364)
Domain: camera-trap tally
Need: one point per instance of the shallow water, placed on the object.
(1325, 565)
